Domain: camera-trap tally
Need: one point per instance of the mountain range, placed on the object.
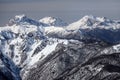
(51, 49)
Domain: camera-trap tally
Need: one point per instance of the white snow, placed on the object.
(53, 29)
(16, 41)
(23, 29)
(48, 20)
(16, 57)
(53, 21)
(64, 41)
(90, 22)
(33, 47)
(41, 55)
(54, 26)
(19, 17)
(117, 47)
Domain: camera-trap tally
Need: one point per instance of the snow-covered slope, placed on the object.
(53, 21)
(19, 37)
(24, 42)
(93, 22)
(23, 20)
(88, 28)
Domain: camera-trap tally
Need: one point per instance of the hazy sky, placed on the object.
(68, 10)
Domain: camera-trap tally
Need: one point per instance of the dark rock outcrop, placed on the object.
(77, 61)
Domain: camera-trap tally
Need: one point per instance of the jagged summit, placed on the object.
(53, 21)
(20, 17)
(21, 25)
(85, 28)
(92, 22)
(87, 20)
(24, 20)
(88, 28)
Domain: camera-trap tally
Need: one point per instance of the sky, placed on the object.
(68, 10)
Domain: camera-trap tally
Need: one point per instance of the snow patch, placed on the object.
(117, 48)
(19, 17)
(53, 21)
(41, 55)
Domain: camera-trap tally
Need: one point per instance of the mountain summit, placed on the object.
(92, 21)
(53, 21)
(24, 20)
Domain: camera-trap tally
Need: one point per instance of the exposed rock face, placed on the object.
(8, 70)
(77, 61)
(88, 49)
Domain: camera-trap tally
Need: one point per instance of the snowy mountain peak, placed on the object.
(23, 26)
(96, 21)
(53, 21)
(87, 20)
(20, 17)
(88, 17)
(24, 20)
(92, 21)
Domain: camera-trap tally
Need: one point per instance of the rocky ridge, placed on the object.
(50, 49)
